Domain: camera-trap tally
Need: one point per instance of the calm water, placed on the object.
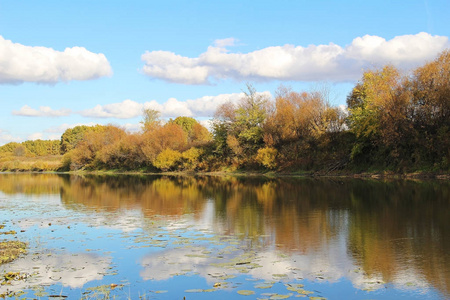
(221, 237)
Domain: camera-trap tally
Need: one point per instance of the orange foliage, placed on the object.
(94, 147)
(169, 136)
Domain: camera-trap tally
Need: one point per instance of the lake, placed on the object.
(219, 237)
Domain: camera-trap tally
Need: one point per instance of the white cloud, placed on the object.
(5, 138)
(43, 111)
(329, 62)
(225, 42)
(68, 269)
(63, 127)
(55, 132)
(35, 136)
(172, 108)
(54, 136)
(124, 110)
(207, 124)
(132, 127)
(20, 63)
(175, 68)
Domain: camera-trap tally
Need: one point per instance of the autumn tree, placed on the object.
(150, 119)
(169, 136)
(224, 119)
(43, 147)
(197, 134)
(9, 147)
(72, 136)
(191, 158)
(300, 116)
(430, 88)
(92, 151)
(239, 128)
(378, 107)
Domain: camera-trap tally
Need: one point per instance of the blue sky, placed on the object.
(65, 63)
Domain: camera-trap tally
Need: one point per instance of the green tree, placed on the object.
(197, 134)
(239, 128)
(377, 111)
(222, 123)
(250, 117)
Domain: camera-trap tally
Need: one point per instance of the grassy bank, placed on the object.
(14, 163)
(53, 163)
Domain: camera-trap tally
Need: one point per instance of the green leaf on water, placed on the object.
(295, 287)
(193, 291)
(264, 286)
(279, 275)
(246, 292)
(279, 296)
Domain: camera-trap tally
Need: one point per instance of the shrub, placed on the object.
(191, 158)
(267, 157)
(167, 159)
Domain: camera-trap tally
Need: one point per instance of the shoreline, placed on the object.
(297, 174)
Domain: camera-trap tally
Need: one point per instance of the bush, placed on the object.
(267, 157)
(191, 158)
(167, 159)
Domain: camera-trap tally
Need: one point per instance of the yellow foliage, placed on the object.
(267, 157)
(191, 157)
(167, 159)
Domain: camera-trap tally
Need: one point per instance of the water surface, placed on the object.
(159, 237)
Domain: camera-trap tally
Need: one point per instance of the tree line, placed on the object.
(393, 121)
(31, 148)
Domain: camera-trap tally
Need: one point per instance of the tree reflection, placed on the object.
(393, 230)
(30, 183)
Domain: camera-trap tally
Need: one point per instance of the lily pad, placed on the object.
(279, 275)
(279, 296)
(246, 292)
(264, 286)
(194, 291)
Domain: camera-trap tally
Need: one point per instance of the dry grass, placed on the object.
(25, 163)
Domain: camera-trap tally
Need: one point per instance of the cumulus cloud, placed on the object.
(123, 110)
(6, 137)
(329, 62)
(69, 270)
(63, 127)
(55, 132)
(43, 111)
(200, 107)
(130, 127)
(20, 63)
(35, 136)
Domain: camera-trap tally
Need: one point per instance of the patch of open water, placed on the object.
(129, 237)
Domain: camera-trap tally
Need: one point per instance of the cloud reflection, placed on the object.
(71, 270)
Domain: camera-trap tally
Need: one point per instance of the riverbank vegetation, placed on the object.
(393, 122)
